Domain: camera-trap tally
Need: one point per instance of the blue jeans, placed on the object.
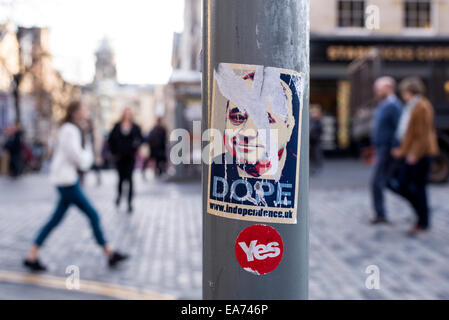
(68, 196)
(383, 170)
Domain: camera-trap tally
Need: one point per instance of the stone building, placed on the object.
(31, 90)
(43, 93)
(187, 45)
(396, 17)
(403, 37)
(107, 98)
(182, 95)
(9, 66)
(105, 67)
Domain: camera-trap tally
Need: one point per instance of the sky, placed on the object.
(140, 31)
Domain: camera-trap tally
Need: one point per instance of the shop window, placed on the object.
(418, 14)
(351, 13)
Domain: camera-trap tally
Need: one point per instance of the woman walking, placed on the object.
(72, 153)
(418, 144)
(124, 141)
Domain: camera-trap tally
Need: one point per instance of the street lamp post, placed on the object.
(270, 34)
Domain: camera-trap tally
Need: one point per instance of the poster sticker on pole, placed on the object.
(255, 147)
(259, 249)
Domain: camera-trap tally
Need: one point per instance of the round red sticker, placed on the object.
(259, 249)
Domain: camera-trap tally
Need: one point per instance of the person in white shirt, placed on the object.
(72, 154)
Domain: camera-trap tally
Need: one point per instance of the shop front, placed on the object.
(341, 95)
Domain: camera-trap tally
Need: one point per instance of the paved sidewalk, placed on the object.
(163, 237)
(13, 291)
(165, 246)
(343, 244)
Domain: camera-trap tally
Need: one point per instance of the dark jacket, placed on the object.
(125, 146)
(316, 130)
(157, 141)
(386, 120)
(14, 144)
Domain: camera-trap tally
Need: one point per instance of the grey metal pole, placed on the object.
(272, 34)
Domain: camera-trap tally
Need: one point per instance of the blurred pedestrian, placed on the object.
(418, 144)
(14, 146)
(124, 141)
(157, 140)
(97, 146)
(386, 119)
(38, 151)
(316, 131)
(72, 152)
(90, 136)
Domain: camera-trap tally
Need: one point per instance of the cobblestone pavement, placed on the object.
(343, 244)
(165, 245)
(12, 291)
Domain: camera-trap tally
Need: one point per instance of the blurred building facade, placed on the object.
(9, 66)
(406, 38)
(107, 98)
(43, 93)
(182, 95)
(32, 92)
(105, 66)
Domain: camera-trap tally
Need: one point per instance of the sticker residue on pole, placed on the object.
(255, 147)
(259, 249)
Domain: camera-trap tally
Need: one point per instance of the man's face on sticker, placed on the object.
(250, 146)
